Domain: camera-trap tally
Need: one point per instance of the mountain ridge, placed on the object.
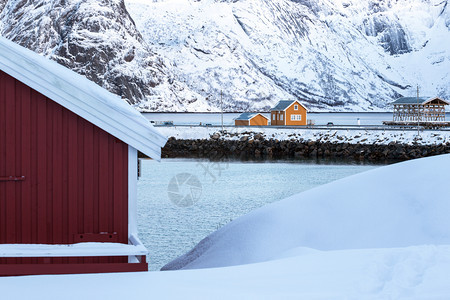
(180, 55)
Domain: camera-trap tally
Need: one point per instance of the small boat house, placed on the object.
(288, 113)
(68, 170)
(251, 119)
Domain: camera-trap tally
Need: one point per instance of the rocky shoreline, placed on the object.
(257, 147)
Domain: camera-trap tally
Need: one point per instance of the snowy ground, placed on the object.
(354, 136)
(382, 234)
(418, 272)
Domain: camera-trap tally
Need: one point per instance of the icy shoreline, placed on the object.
(331, 135)
(268, 143)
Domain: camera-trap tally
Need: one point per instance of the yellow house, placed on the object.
(288, 113)
(251, 119)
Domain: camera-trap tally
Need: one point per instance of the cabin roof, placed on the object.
(81, 96)
(284, 104)
(249, 116)
(421, 100)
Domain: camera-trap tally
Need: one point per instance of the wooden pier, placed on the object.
(426, 125)
(414, 111)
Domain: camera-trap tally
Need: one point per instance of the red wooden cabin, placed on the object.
(68, 170)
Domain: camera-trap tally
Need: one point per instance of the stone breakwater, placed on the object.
(257, 147)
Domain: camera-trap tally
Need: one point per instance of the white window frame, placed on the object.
(296, 117)
(274, 117)
(296, 107)
(281, 117)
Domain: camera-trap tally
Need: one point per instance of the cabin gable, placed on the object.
(296, 114)
(259, 120)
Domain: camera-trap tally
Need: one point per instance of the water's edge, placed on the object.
(270, 149)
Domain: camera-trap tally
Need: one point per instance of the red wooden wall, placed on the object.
(76, 174)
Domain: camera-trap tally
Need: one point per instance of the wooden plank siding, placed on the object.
(291, 111)
(241, 122)
(76, 175)
(277, 118)
(259, 120)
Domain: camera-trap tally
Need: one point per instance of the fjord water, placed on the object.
(228, 118)
(217, 193)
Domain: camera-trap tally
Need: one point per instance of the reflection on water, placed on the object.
(219, 192)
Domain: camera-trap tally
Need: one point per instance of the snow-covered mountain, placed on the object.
(178, 55)
(336, 55)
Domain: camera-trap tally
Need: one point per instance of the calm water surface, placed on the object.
(228, 118)
(228, 190)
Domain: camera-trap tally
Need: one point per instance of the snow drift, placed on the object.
(399, 205)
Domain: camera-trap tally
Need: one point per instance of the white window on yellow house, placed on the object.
(296, 117)
(295, 107)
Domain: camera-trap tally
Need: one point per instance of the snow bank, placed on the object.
(354, 136)
(394, 206)
(401, 273)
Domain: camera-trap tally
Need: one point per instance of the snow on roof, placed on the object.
(71, 250)
(421, 100)
(81, 96)
(248, 116)
(284, 104)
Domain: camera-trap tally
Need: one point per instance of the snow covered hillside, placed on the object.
(401, 205)
(177, 55)
(336, 55)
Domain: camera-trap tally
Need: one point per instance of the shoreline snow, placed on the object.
(354, 136)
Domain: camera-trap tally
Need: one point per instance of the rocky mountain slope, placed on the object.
(179, 55)
(97, 39)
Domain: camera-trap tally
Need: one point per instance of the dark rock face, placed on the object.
(391, 35)
(95, 38)
(2, 4)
